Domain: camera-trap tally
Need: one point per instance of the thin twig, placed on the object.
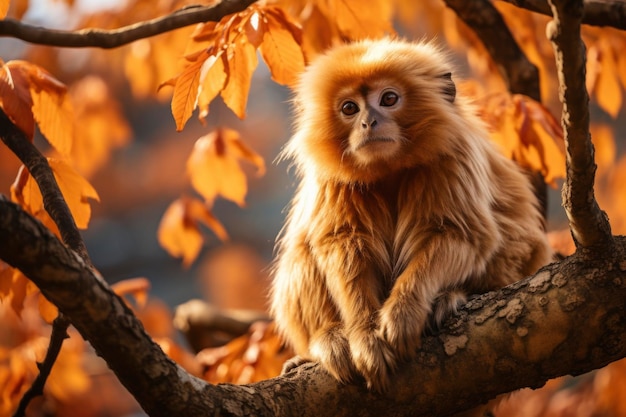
(59, 334)
(106, 39)
(589, 225)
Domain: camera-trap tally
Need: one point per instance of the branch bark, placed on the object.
(589, 225)
(517, 337)
(57, 208)
(520, 75)
(107, 39)
(595, 12)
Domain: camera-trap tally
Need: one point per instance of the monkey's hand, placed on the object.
(402, 322)
(373, 358)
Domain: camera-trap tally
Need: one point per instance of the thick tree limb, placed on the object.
(517, 337)
(596, 12)
(102, 38)
(57, 208)
(589, 225)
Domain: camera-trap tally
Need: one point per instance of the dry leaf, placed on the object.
(15, 98)
(4, 8)
(102, 126)
(75, 189)
(242, 62)
(214, 169)
(47, 310)
(526, 132)
(179, 232)
(136, 287)
(280, 50)
(358, 22)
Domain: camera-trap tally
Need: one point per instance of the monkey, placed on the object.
(404, 207)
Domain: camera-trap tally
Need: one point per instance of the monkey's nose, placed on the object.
(365, 125)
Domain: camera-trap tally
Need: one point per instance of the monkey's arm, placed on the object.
(441, 261)
(357, 290)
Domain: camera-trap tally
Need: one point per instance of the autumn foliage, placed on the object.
(79, 123)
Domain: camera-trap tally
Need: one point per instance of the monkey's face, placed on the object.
(370, 109)
(369, 114)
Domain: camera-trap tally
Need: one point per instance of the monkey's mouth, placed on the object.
(373, 141)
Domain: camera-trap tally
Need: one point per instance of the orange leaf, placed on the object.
(6, 279)
(52, 109)
(47, 310)
(15, 98)
(4, 8)
(608, 91)
(360, 22)
(242, 62)
(281, 51)
(136, 287)
(527, 132)
(214, 169)
(102, 126)
(179, 232)
(213, 78)
(604, 145)
(76, 191)
(186, 91)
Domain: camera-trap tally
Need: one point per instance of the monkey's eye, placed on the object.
(389, 99)
(349, 108)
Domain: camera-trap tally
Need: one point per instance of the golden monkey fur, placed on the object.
(404, 207)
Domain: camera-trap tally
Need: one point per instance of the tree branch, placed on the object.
(55, 205)
(520, 75)
(596, 12)
(517, 337)
(106, 39)
(589, 225)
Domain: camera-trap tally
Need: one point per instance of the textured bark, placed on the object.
(589, 225)
(567, 319)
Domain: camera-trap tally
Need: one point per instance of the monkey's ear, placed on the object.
(449, 90)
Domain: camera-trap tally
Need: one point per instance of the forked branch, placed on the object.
(589, 225)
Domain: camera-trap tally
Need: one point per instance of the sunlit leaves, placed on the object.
(526, 132)
(359, 22)
(222, 58)
(101, 127)
(15, 98)
(255, 356)
(214, 169)
(28, 93)
(604, 72)
(76, 191)
(280, 49)
(179, 232)
(4, 8)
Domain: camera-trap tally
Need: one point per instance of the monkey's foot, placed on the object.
(293, 363)
(330, 348)
(401, 326)
(373, 358)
